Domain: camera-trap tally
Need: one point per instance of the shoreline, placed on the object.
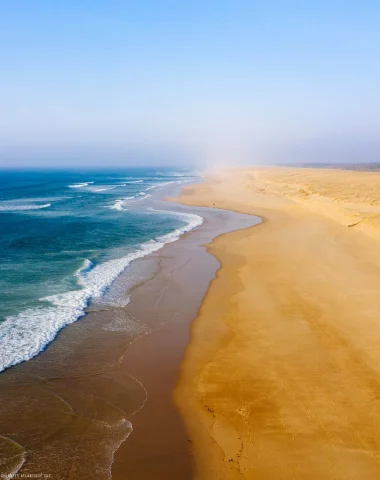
(280, 377)
(84, 300)
(91, 379)
(159, 446)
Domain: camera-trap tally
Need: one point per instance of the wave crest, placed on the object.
(22, 208)
(25, 335)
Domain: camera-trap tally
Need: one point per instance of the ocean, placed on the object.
(65, 237)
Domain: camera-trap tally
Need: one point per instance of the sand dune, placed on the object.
(281, 379)
(350, 197)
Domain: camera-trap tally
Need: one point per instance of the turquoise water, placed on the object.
(65, 236)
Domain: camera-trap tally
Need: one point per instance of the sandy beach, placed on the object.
(281, 378)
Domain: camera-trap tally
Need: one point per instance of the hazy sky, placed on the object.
(223, 80)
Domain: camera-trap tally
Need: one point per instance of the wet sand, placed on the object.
(281, 376)
(159, 447)
(98, 400)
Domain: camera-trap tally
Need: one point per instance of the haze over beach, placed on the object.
(189, 232)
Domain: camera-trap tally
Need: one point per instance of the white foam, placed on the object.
(142, 196)
(87, 264)
(103, 188)
(25, 204)
(34, 199)
(119, 204)
(192, 221)
(80, 185)
(21, 208)
(158, 185)
(122, 202)
(135, 181)
(25, 335)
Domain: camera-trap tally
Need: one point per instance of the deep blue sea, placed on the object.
(65, 237)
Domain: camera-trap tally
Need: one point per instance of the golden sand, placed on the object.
(281, 379)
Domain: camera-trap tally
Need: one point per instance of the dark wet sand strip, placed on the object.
(159, 445)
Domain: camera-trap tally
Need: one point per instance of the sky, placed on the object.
(214, 81)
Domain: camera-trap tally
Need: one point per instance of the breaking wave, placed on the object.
(25, 335)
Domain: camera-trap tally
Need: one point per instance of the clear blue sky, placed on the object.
(250, 80)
